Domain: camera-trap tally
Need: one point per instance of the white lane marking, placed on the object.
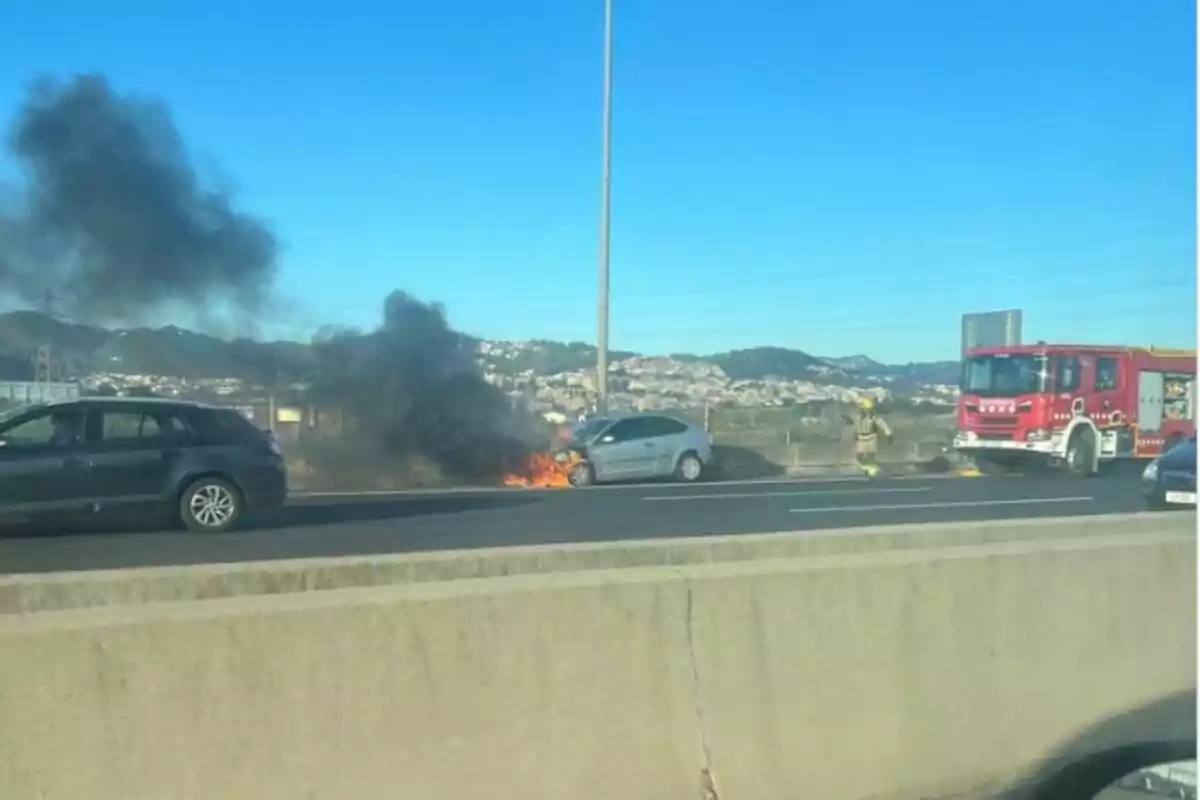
(302, 495)
(809, 493)
(397, 492)
(612, 487)
(964, 504)
(544, 489)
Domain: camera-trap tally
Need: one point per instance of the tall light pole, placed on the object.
(605, 206)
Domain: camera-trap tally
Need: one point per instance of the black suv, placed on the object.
(206, 464)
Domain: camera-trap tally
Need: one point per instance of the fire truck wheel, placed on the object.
(582, 475)
(1080, 454)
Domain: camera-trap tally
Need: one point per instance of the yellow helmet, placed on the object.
(866, 403)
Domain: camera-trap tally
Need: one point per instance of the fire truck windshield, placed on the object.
(1004, 375)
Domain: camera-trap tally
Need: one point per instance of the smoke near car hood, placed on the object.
(112, 219)
(412, 386)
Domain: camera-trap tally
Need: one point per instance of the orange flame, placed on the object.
(542, 470)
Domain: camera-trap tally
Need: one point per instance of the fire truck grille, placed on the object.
(996, 427)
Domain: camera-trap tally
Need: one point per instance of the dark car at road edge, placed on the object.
(206, 465)
(1169, 481)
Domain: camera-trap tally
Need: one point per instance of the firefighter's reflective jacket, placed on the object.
(867, 429)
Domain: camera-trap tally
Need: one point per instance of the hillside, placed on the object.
(779, 362)
(756, 363)
(84, 350)
(932, 372)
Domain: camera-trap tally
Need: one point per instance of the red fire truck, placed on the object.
(1072, 406)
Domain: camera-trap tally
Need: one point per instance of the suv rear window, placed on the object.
(227, 423)
(135, 424)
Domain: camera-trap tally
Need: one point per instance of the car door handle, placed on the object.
(648, 444)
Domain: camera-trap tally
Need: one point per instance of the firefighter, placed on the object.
(868, 427)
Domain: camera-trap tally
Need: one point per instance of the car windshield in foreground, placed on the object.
(1003, 375)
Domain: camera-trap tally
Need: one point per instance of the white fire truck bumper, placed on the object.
(969, 442)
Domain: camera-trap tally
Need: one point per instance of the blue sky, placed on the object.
(838, 177)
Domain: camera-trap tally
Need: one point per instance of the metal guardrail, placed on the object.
(21, 392)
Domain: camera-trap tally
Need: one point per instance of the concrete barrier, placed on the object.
(60, 591)
(883, 667)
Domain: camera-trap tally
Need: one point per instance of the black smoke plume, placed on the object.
(412, 387)
(113, 222)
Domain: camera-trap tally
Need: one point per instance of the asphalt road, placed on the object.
(319, 526)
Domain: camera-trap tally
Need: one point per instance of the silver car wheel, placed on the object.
(581, 475)
(212, 506)
(690, 468)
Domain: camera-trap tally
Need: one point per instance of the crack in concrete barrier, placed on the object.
(708, 783)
